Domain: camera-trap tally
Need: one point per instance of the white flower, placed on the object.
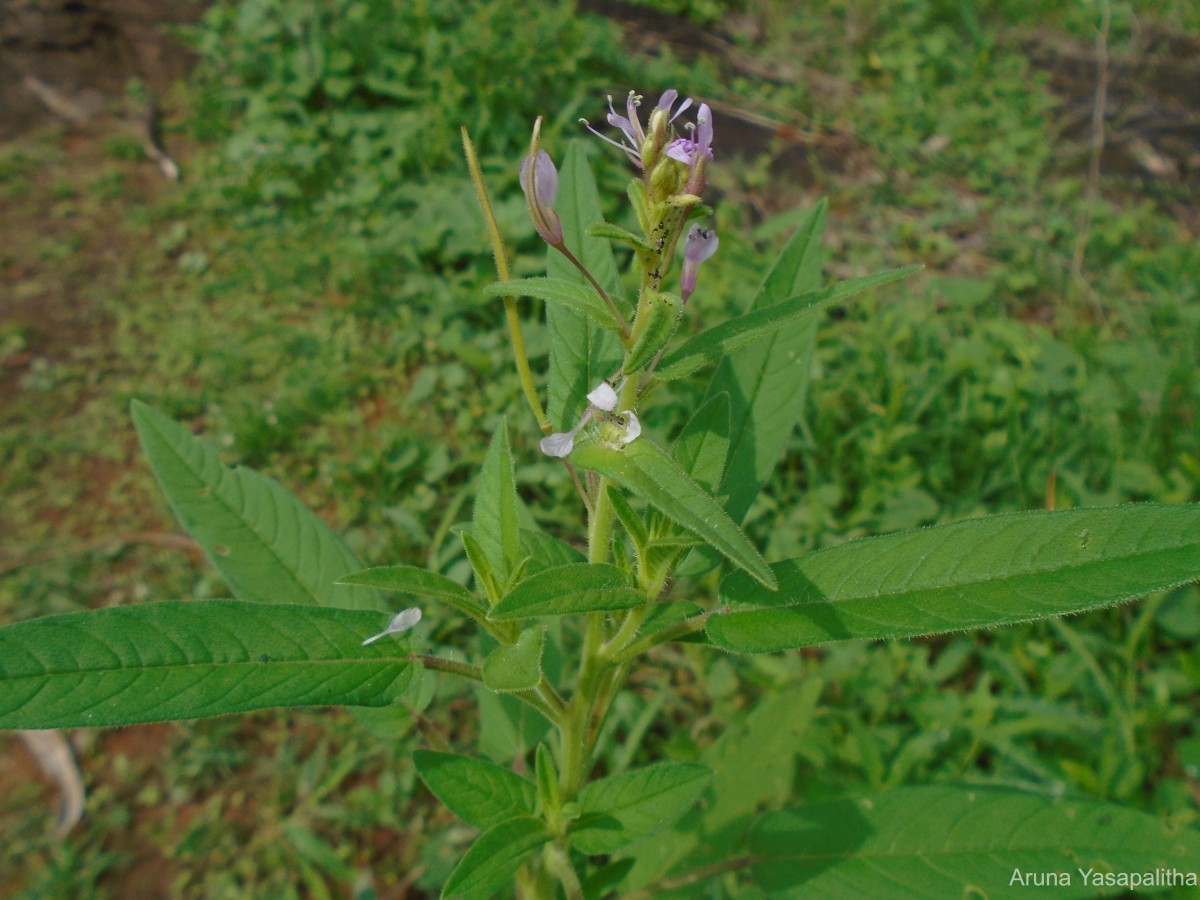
(403, 621)
(602, 398)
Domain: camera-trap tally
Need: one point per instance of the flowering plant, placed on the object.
(564, 625)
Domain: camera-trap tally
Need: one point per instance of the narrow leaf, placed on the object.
(495, 520)
(579, 298)
(972, 574)
(517, 667)
(618, 234)
(159, 661)
(767, 381)
(485, 576)
(948, 841)
(624, 808)
(546, 552)
(648, 471)
(567, 590)
(738, 332)
(703, 446)
(477, 791)
(494, 858)
(581, 353)
(416, 582)
(268, 546)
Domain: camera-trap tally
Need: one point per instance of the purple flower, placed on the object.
(630, 125)
(539, 181)
(701, 243)
(689, 150)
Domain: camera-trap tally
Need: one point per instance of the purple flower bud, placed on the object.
(700, 244)
(539, 181)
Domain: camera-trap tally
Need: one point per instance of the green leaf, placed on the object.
(767, 381)
(417, 582)
(753, 764)
(972, 574)
(494, 858)
(477, 791)
(612, 232)
(581, 353)
(495, 522)
(159, 661)
(624, 808)
(628, 518)
(517, 667)
(268, 546)
(567, 590)
(485, 576)
(648, 471)
(738, 332)
(949, 841)
(546, 552)
(703, 445)
(579, 298)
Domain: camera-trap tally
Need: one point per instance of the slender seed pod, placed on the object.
(652, 330)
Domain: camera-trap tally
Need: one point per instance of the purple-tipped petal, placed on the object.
(667, 100)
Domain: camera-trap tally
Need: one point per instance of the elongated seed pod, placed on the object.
(652, 330)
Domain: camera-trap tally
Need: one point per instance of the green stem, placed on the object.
(524, 373)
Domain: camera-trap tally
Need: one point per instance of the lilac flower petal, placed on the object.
(667, 100)
(680, 150)
(403, 621)
(603, 397)
(558, 444)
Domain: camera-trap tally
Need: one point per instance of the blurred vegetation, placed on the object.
(309, 297)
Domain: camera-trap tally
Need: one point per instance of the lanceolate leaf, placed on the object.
(624, 808)
(648, 471)
(495, 518)
(160, 661)
(417, 582)
(567, 590)
(767, 381)
(494, 858)
(946, 841)
(479, 792)
(581, 353)
(703, 446)
(579, 298)
(546, 552)
(738, 332)
(269, 547)
(981, 572)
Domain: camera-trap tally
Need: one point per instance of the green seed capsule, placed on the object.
(652, 330)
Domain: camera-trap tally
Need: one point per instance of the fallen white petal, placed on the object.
(558, 444)
(403, 621)
(603, 397)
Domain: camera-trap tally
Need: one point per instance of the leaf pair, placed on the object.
(614, 812)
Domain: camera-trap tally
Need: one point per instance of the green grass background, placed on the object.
(309, 297)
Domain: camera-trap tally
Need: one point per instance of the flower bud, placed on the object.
(539, 181)
(700, 244)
